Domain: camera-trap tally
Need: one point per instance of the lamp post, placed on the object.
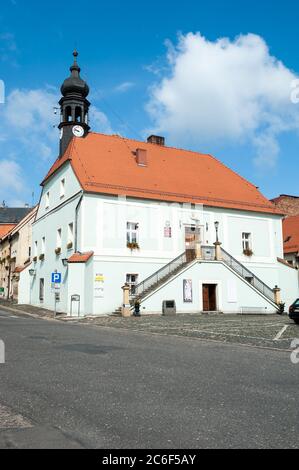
(217, 243)
(216, 228)
(64, 262)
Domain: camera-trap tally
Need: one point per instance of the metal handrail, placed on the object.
(160, 274)
(246, 273)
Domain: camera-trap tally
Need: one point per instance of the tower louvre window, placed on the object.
(68, 114)
(78, 114)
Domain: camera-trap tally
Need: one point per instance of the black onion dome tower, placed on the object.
(73, 107)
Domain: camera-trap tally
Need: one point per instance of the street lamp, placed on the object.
(64, 262)
(216, 228)
(32, 272)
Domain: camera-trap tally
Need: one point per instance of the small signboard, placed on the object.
(167, 232)
(56, 278)
(75, 298)
(99, 281)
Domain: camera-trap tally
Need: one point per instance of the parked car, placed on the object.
(294, 311)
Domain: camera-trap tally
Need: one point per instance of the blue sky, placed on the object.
(154, 66)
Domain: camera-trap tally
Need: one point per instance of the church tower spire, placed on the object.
(74, 107)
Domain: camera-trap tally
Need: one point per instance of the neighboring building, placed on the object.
(15, 253)
(9, 217)
(288, 205)
(5, 229)
(116, 212)
(20, 249)
(291, 240)
(12, 215)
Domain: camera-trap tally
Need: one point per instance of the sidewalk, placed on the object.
(30, 310)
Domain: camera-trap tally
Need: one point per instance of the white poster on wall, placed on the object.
(99, 285)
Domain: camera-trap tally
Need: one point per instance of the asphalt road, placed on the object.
(79, 386)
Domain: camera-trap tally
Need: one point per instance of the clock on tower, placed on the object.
(74, 107)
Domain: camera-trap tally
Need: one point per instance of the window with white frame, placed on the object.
(62, 187)
(41, 289)
(70, 235)
(246, 241)
(43, 245)
(47, 200)
(132, 232)
(132, 281)
(58, 238)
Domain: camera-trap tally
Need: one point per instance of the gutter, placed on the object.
(76, 221)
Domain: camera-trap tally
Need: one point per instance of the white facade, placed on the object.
(100, 224)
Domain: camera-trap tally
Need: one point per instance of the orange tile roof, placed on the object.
(290, 227)
(283, 261)
(107, 164)
(80, 257)
(19, 269)
(5, 229)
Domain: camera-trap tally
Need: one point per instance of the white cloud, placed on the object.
(29, 134)
(11, 176)
(123, 87)
(8, 48)
(224, 91)
(99, 121)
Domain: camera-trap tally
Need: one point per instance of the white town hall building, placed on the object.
(118, 215)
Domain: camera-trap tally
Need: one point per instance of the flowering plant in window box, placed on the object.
(69, 245)
(41, 257)
(133, 245)
(247, 252)
(34, 258)
(58, 250)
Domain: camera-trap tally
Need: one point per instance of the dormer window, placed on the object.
(62, 188)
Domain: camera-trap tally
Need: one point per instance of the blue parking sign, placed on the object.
(56, 278)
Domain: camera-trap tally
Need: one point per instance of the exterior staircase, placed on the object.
(248, 276)
(208, 254)
(154, 281)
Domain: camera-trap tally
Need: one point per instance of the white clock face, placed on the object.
(78, 131)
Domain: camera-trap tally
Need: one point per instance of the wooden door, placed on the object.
(209, 298)
(205, 297)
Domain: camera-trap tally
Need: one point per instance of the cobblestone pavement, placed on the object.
(271, 331)
(10, 420)
(256, 330)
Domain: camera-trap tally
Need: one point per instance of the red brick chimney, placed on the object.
(156, 139)
(141, 157)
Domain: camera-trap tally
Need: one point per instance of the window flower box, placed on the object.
(248, 252)
(58, 250)
(69, 245)
(133, 246)
(35, 258)
(41, 257)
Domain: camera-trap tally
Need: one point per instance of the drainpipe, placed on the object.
(76, 221)
(9, 270)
